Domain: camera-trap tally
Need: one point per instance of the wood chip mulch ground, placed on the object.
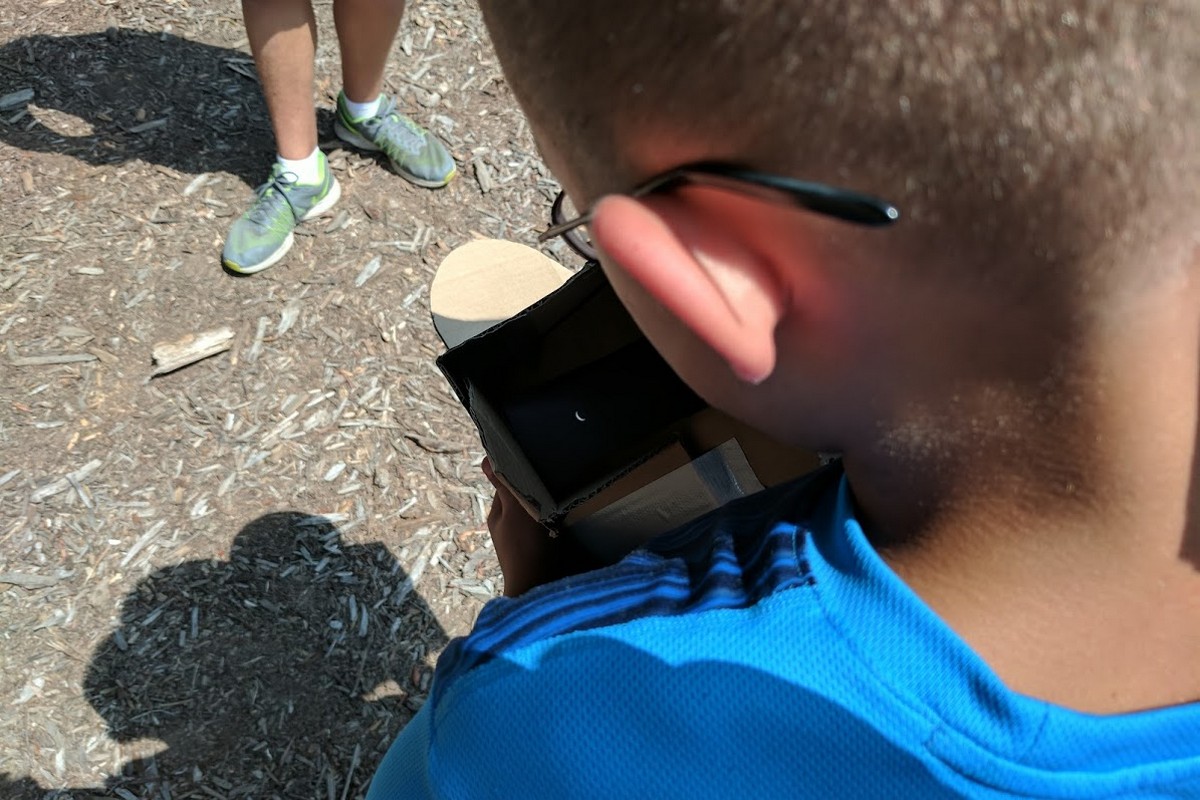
(229, 580)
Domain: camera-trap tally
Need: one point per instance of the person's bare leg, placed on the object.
(283, 38)
(366, 30)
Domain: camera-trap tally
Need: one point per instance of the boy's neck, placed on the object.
(1071, 565)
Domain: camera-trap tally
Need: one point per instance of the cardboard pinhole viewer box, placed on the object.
(579, 415)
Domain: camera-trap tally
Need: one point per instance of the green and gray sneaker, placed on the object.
(414, 152)
(262, 235)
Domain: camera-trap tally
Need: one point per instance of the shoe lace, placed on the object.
(394, 127)
(271, 199)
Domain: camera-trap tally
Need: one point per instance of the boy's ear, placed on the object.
(704, 273)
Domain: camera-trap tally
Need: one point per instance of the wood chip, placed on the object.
(483, 175)
(287, 317)
(142, 541)
(434, 445)
(62, 484)
(340, 221)
(242, 69)
(48, 359)
(12, 280)
(255, 349)
(170, 356)
(102, 354)
(26, 580)
(367, 272)
(195, 184)
(14, 99)
(148, 126)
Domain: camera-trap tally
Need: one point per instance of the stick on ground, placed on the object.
(170, 356)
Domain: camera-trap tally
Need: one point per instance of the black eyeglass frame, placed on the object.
(843, 204)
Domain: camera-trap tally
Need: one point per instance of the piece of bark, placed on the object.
(48, 359)
(482, 174)
(170, 356)
(27, 580)
(15, 99)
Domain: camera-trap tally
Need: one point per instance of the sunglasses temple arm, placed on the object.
(564, 227)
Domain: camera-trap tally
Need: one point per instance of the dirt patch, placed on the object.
(232, 580)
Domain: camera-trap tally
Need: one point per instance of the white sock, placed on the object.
(306, 170)
(361, 110)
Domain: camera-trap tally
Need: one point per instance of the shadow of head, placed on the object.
(276, 650)
(108, 98)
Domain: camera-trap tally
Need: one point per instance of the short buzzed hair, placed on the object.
(1050, 132)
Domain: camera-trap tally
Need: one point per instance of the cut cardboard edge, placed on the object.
(486, 281)
(693, 488)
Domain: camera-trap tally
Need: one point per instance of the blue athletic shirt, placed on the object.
(762, 651)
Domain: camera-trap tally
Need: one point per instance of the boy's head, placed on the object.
(1043, 156)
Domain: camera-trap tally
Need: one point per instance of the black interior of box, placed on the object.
(568, 394)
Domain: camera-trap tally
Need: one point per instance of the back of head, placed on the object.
(1044, 155)
(1020, 134)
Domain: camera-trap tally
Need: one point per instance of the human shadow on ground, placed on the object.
(284, 672)
(160, 98)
